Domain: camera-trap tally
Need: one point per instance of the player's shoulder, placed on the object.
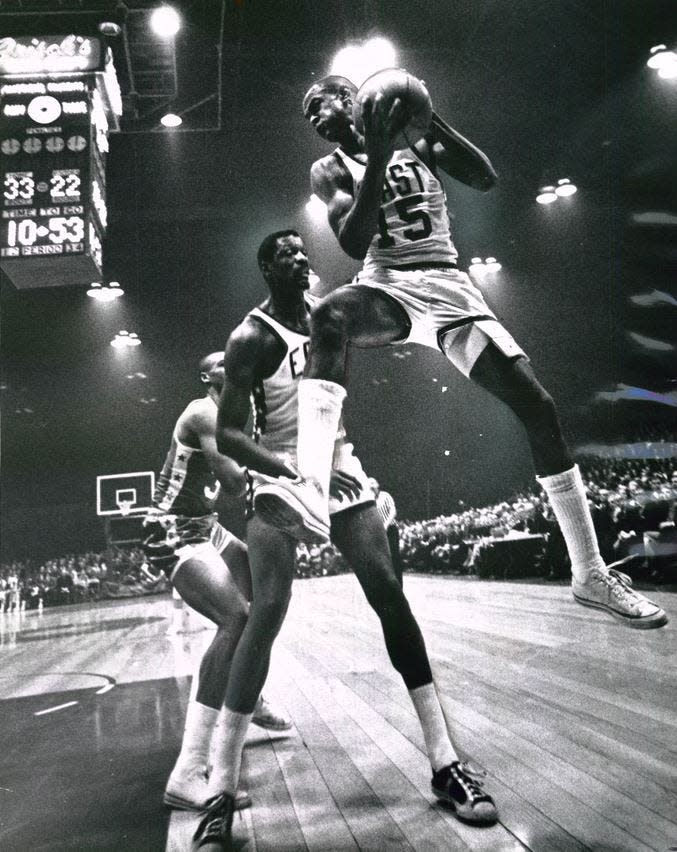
(198, 417)
(250, 347)
(199, 408)
(245, 337)
(326, 174)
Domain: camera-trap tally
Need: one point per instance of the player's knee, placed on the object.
(269, 612)
(329, 322)
(233, 615)
(385, 595)
(543, 406)
(534, 405)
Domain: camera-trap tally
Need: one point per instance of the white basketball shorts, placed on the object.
(344, 460)
(445, 310)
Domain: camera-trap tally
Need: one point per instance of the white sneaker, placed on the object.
(189, 792)
(295, 506)
(612, 592)
(265, 717)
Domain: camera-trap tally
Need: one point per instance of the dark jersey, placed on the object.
(186, 485)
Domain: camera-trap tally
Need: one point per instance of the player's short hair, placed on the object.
(205, 364)
(266, 251)
(334, 84)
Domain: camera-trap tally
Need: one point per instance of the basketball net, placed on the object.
(125, 507)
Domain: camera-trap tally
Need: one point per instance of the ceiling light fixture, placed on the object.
(170, 119)
(546, 195)
(565, 188)
(105, 293)
(165, 22)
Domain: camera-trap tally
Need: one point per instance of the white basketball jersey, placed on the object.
(413, 219)
(275, 398)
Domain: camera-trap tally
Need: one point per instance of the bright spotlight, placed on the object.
(476, 265)
(345, 62)
(381, 52)
(105, 293)
(668, 72)
(359, 61)
(661, 57)
(316, 208)
(171, 120)
(124, 339)
(492, 265)
(546, 195)
(565, 187)
(165, 22)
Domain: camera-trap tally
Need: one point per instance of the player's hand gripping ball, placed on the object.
(397, 83)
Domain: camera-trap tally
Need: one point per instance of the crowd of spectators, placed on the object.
(633, 504)
(633, 509)
(117, 572)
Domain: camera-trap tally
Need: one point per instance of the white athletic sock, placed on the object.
(435, 733)
(197, 736)
(227, 753)
(320, 404)
(569, 502)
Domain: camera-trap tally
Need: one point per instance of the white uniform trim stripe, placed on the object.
(386, 508)
(178, 473)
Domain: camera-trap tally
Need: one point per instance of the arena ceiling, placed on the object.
(546, 87)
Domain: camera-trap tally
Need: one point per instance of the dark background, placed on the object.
(547, 89)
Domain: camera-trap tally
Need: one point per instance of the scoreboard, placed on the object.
(53, 146)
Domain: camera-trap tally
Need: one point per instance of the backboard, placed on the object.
(122, 494)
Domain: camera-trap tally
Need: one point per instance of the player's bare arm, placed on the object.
(201, 421)
(457, 156)
(354, 219)
(246, 357)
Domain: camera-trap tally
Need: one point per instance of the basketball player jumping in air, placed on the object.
(264, 361)
(388, 207)
(209, 568)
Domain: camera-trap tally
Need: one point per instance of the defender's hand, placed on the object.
(343, 485)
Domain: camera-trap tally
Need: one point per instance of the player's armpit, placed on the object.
(326, 183)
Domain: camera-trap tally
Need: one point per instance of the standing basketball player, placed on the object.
(208, 567)
(388, 207)
(264, 361)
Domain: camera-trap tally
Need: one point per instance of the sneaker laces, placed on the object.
(219, 811)
(625, 583)
(468, 775)
(621, 585)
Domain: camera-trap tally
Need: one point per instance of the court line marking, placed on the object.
(54, 709)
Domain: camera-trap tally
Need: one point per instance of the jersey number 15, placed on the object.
(410, 217)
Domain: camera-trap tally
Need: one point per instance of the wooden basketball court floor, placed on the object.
(573, 716)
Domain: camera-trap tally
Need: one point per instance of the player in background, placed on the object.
(388, 207)
(264, 361)
(209, 568)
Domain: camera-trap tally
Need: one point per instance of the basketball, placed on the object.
(397, 83)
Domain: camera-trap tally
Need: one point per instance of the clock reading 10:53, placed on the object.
(57, 229)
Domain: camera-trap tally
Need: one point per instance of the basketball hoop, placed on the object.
(125, 507)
